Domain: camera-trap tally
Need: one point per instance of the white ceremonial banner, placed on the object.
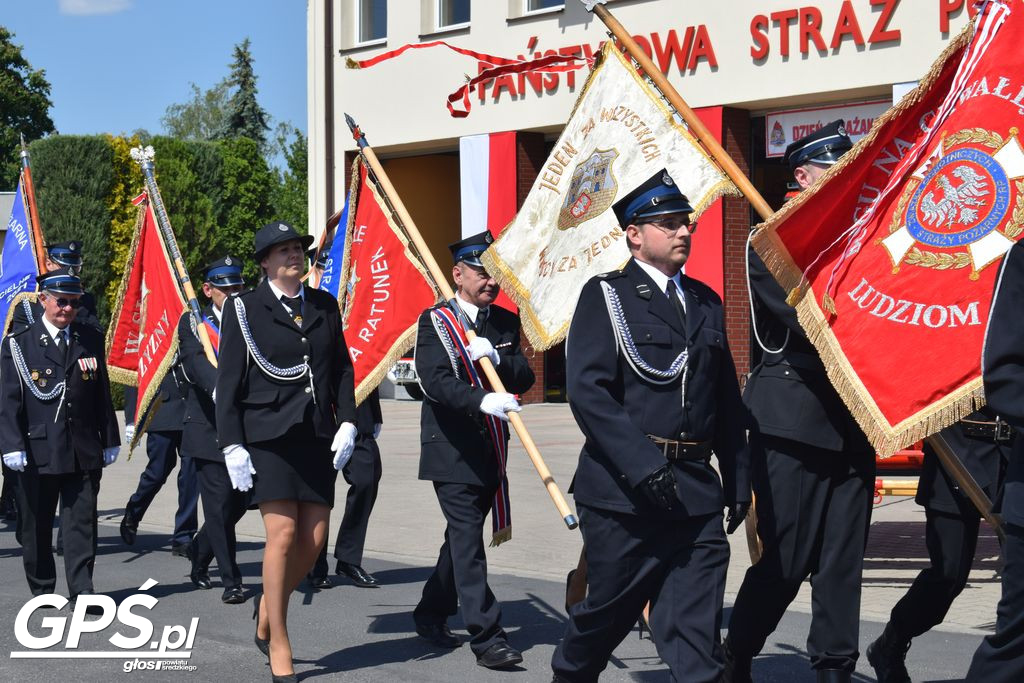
(620, 133)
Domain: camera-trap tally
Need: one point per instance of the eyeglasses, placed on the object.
(67, 303)
(671, 226)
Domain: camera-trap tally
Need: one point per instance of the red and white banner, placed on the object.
(383, 288)
(891, 259)
(487, 184)
(141, 339)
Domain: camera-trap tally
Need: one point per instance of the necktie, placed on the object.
(481, 318)
(62, 343)
(295, 304)
(673, 296)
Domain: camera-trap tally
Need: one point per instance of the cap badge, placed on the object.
(842, 131)
(282, 227)
(227, 261)
(667, 179)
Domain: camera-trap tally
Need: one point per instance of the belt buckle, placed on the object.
(1003, 431)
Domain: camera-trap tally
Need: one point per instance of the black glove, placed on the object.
(660, 488)
(737, 513)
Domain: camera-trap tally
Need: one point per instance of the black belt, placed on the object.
(997, 432)
(682, 450)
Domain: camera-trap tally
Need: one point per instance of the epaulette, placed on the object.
(20, 330)
(610, 275)
(244, 292)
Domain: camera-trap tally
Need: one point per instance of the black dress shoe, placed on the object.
(357, 574)
(438, 634)
(500, 656)
(233, 595)
(262, 644)
(200, 578)
(93, 610)
(286, 678)
(129, 528)
(321, 582)
(182, 550)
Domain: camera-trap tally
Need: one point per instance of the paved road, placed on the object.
(353, 634)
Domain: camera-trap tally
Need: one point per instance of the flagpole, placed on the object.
(30, 198)
(144, 158)
(446, 291)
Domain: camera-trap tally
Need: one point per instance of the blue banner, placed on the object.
(17, 264)
(332, 273)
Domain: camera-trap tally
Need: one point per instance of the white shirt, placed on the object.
(278, 294)
(472, 310)
(54, 330)
(217, 313)
(661, 280)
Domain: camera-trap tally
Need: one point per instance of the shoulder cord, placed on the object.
(624, 341)
(26, 379)
(292, 374)
(28, 311)
(449, 346)
(750, 298)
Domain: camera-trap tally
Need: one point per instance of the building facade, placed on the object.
(760, 73)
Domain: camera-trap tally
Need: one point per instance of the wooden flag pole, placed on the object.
(446, 291)
(700, 131)
(144, 158)
(30, 197)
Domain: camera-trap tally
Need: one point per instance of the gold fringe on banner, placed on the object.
(886, 438)
(501, 535)
(115, 372)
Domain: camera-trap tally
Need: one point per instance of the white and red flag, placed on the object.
(141, 340)
(891, 259)
(384, 287)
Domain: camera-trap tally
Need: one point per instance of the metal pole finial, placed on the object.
(143, 156)
(590, 4)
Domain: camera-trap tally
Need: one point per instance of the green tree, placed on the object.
(244, 117)
(291, 198)
(247, 186)
(24, 107)
(203, 117)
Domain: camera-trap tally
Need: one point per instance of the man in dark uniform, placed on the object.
(458, 452)
(223, 506)
(60, 255)
(983, 443)
(813, 474)
(58, 430)
(653, 387)
(1000, 657)
(362, 472)
(163, 447)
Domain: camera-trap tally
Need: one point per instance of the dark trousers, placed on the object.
(362, 472)
(38, 495)
(679, 566)
(460, 575)
(223, 506)
(951, 540)
(163, 448)
(1000, 657)
(813, 512)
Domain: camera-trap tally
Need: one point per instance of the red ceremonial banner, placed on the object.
(141, 339)
(384, 288)
(892, 257)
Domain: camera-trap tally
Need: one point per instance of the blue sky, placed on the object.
(115, 65)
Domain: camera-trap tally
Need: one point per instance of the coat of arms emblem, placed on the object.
(591, 191)
(963, 207)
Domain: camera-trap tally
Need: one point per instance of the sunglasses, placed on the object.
(67, 303)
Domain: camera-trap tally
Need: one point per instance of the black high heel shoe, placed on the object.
(261, 644)
(287, 678)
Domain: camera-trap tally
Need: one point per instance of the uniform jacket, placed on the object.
(1003, 373)
(617, 409)
(368, 414)
(27, 312)
(86, 423)
(937, 490)
(788, 393)
(199, 439)
(454, 441)
(170, 415)
(252, 406)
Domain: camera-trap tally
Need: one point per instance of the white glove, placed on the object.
(480, 347)
(240, 469)
(343, 444)
(16, 460)
(129, 433)
(376, 430)
(110, 455)
(497, 404)
(214, 395)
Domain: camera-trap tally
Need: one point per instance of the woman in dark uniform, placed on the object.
(285, 420)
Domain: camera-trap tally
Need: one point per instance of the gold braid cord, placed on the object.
(118, 374)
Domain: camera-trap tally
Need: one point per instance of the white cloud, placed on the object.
(88, 7)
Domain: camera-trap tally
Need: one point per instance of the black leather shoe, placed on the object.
(200, 578)
(737, 667)
(500, 656)
(233, 595)
(357, 574)
(321, 582)
(438, 634)
(887, 656)
(181, 550)
(129, 528)
(92, 610)
(286, 678)
(263, 645)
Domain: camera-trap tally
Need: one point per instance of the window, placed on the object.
(534, 5)
(373, 20)
(452, 13)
